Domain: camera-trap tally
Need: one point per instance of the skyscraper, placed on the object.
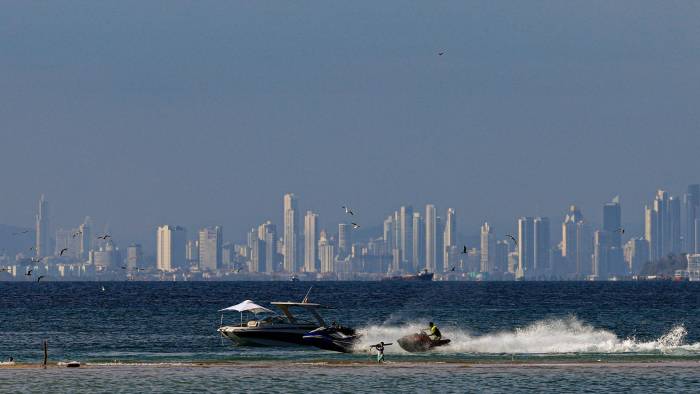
(134, 256)
(344, 240)
(430, 238)
(488, 248)
(418, 241)
(500, 260)
(192, 252)
(601, 247)
(526, 247)
(291, 224)
(449, 238)
(406, 217)
(326, 252)
(440, 263)
(85, 238)
(267, 233)
(691, 207)
(576, 244)
(43, 239)
(612, 221)
(636, 254)
(171, 248)
(674, 218)
(310, 241)
(542, 235)
(210, 243)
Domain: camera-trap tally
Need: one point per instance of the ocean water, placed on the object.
(505, 336)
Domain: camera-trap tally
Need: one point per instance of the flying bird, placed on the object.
(355, 225)
(348, 210)
(29, 273)
(39, 278)
(21, 232)
(75, 234)
(464, 251)
(513, 238)
(104, 237)
(62, 251)
(123, 267)
(453, 268)
(441, 53)
(620, 230)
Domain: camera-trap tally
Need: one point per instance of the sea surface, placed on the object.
(506, 336)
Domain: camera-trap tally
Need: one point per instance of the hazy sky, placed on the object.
(194, 113)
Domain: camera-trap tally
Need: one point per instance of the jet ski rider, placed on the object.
(434, 332)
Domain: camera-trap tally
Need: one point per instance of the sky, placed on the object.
(140, 113)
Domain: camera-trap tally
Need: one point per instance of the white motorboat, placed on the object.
(287, 329)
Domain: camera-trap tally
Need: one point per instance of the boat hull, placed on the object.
(338, 340)
(418, 343)
(267, 336)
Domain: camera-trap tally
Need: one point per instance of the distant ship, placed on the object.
(422, 276)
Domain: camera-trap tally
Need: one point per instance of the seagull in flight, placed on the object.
(348, 210)
(620, 230)
(453, 268)
(513, 238)
(464, 251)
(123, 267)
(104, 237)
(39, 278)
(355, 225)
(63, 251)
(75, 234)
(441, 53)
(29, 273)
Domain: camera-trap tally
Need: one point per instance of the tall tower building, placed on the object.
(601, 249)
(526, 247)
(431, 238)
(267, 233)
(310, 241)
(43, 237)
(171, 248)
(691, 208)
(449, 238)
(612, 221)
(576, 244)
(542, 243)
(326, 252)
(257, 251)
(210, 243)
(418, 241)
(406, 217)
(344, 240)
(500, 260)
(674, 218)
(134, 256)
(488, 248)
(85, 239)
(388, 235)
(291, 224)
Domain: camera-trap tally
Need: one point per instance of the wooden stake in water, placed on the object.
(46, 352)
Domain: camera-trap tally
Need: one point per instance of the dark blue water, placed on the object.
(487, 322)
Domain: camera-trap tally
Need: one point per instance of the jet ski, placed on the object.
(336, 338)
(420, 342)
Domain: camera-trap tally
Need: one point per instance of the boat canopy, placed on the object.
(247, 306)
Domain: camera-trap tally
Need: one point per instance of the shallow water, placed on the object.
(501, 323)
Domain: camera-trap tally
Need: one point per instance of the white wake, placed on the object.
(554, 336)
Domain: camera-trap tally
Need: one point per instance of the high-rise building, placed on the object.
(326, 253)
(192, 252)
(691, 207)
(310, 242)
(500, 260)
(431, 251)
(526, 247)
(134, 256)
(85, 239)
(542, 264)
(210, 243)
(601, 248)
(636, 254)
(65, 240)
(267, 233)
(449, 238)
(576, 244)
(440, 263)
(291, 231)
(612, 221)
(418, 241)
(488, 248)
(171, 248)
(406, 246)
(43, 240)
(257, 251)
(674, 218)
(344, 240)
